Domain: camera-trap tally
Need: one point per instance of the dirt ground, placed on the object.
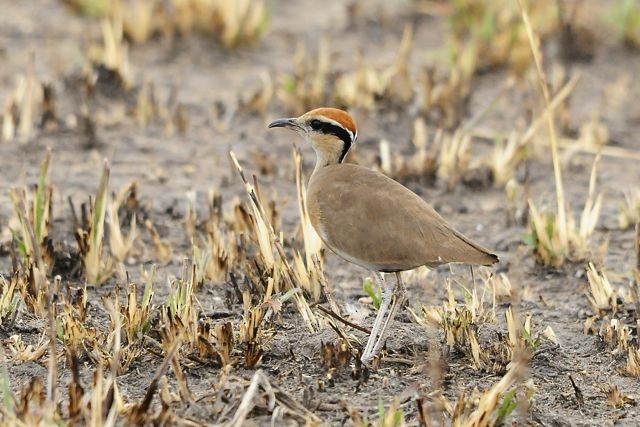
(167, 167)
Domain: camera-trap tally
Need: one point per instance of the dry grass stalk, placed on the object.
(615, 335)
(147, 108)
(616, 398)
(509, 153)
(217, 342)
(494, 30)
(488, 410)
(547, 231)
(500, 286)
(8, 300)
(423, 163)
(517, 206)
(306, 88)
(602, 297)
(444, 98)
(367, 87)
(33, 287)
(556, 238)
(232, 23)
(398, 89)
(120, 245)
(180, 311)
(31, 407)
(32, 211)
(162, 249)
(272, 254)
(246, 405)
(222, 248)
(630, 211)
(138, 316)
(180, 315)
(454, 159)
(632, 368)
(113, 54)
(272, 396)
(239, 22)
(23, 107)
(506, 157)
(460, 321)
(137, 414)
(542, 79)
(520, 334)
(253, 333)
(359, 88)
(139, 22)
(91, 238)
(312, 243)
(190, 215)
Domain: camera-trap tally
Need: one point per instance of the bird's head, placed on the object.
(331, 131)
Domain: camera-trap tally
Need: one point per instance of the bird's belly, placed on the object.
(373, 263)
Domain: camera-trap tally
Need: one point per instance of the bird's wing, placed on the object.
(376, 222)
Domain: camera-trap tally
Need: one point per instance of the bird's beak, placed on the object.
(286, 123)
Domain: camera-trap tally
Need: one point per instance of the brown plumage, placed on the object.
(370, 219)
(377, 223)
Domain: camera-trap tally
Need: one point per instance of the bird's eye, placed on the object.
(316, 124)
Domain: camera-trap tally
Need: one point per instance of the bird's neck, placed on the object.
(323, 160)
(328, 153)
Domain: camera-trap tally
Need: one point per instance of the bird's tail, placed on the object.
(476, 254)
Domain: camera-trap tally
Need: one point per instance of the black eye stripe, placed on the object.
(338, 131)
(331, 129)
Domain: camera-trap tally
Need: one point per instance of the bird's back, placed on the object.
(374, 221)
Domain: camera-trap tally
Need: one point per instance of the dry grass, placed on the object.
(273, 262)
(29, 105)
(496, 31)
(463, 322)
(556, 237)
(610, 309)
(239, 248)
(90, 234)
(232, 23)
(32, 217)
(113, 52)
(630, 211)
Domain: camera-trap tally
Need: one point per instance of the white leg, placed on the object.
(380, 329)
(387, 294)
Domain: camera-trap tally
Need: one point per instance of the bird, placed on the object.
(371, 220)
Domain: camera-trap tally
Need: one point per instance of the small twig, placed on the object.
(143, 406)
(340, 332)
(577, 391)
(341, 319)
(74, 216)
(295, 407)
(246, 405)
(53, 355)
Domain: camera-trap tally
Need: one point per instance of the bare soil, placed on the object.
(169, 166)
